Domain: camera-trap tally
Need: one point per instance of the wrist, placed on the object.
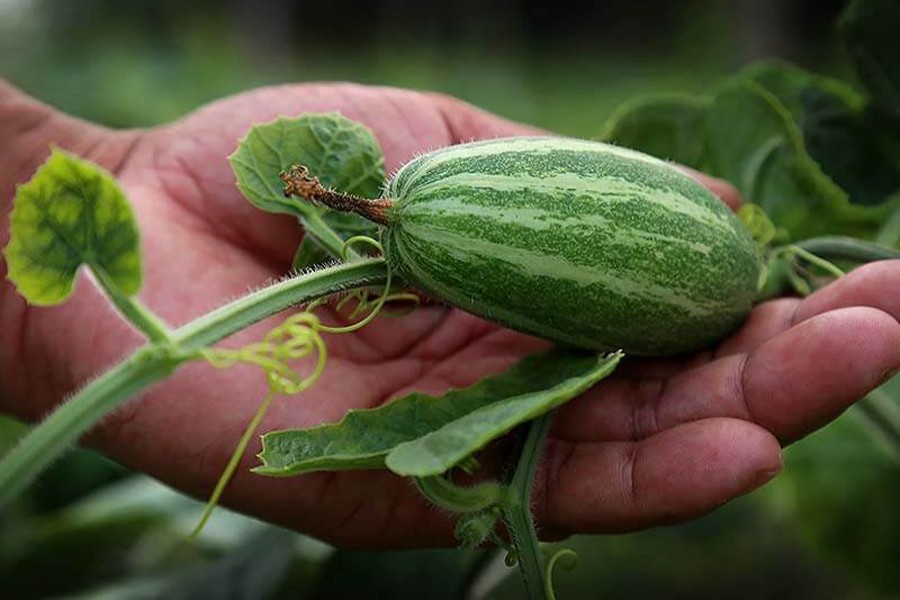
(29, 128)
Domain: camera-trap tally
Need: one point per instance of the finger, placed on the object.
(791, 385)
(465, 122)
(726, 192)
(674, 476)
(630, 409)
(764, 322)
(637, 384)
(876, 284)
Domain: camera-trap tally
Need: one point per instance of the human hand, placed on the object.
(660, 441)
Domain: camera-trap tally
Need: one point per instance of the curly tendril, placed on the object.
(294, 339)
(570, 559)
(299, 336)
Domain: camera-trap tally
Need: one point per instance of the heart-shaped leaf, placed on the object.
(343, 154)
(850, 142)
(753, 142)
(71, 213)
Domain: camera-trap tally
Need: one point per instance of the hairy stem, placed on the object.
(517, 509)
(64, 426)
(263, 303)
(157, 360)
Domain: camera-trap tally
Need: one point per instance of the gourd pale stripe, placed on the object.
(575, 241)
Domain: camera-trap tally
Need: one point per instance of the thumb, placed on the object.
(466, 122)
(29, 128)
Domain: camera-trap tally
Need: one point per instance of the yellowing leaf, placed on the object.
(71, 213)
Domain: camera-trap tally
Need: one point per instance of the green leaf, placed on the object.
(364, 438)
(852, 148)
(753, 141)
(311, 250)
(788, 83)
(71, 213)
(440, 450)
(343, 154)
(869, 31)
(669, 127)
(849, 142)
(309, 253)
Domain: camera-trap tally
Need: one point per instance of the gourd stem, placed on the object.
(299, 182)
(517, 511)
(157, 360)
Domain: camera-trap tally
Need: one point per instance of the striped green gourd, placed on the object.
(578, 242)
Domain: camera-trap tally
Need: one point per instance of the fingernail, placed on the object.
(763, 477)
(889, 374)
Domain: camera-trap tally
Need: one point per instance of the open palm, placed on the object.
(660, 441)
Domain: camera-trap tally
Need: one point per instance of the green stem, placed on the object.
(131, 308)
(263, 303)
(447, 494)
(327, 237)
(517, 512)
(818, 261)
(847, 248)
(155, 361)
(65, 425)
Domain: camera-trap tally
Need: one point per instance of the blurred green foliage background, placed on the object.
(560, 65)
(824, 529)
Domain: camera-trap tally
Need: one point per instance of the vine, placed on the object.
(297, 337)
